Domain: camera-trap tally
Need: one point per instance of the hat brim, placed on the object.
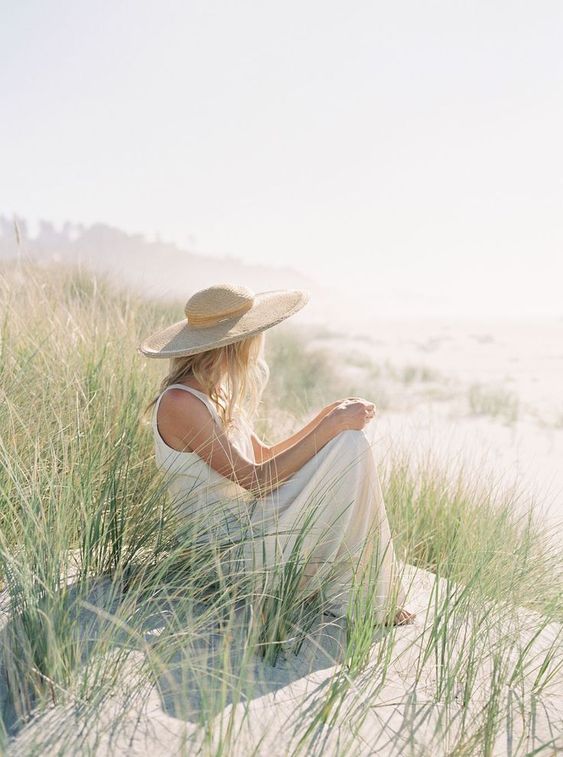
(181, 339)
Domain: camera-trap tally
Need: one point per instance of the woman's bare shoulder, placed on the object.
(180, 411)
(177, 400)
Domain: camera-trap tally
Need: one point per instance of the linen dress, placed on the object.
(329, 516)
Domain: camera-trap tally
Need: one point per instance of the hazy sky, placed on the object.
(413, 147)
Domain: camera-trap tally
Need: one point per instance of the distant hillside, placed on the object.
(154, 267)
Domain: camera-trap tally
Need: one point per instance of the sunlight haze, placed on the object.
(409, 150)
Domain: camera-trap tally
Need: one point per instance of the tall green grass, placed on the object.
(105, 599)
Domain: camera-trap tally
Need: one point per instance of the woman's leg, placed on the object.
(332, 511)
(365, 566)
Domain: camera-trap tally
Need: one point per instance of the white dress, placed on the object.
(330, 514)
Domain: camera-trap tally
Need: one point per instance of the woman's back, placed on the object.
(194, 485)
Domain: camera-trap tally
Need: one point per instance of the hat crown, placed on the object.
(218, 303)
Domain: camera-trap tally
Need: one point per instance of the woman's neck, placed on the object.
(193, 383)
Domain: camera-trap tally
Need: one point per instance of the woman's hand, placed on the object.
(351, 413)
(326, 410)
(263, 452)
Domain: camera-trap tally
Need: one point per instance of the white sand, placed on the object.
(400, 718)
(427, 370)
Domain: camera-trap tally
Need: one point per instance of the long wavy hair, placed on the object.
(233, 376)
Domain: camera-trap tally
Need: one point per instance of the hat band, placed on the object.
(197, 319)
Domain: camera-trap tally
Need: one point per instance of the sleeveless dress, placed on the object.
(330, 514)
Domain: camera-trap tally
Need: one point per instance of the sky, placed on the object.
(410, 150)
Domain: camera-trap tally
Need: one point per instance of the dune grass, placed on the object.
(496, 402)
(104, 598)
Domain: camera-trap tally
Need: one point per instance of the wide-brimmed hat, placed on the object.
(223, 314)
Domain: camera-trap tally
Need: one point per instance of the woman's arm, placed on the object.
(186, 425)
(263, 452)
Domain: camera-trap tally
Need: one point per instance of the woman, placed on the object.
(316, 493)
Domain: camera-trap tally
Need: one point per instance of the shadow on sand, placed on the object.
(197, 674)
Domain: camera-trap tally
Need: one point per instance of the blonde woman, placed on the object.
(316, 491)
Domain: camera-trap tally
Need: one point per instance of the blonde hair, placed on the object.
(233, 376)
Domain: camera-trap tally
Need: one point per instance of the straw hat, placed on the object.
(223, 314)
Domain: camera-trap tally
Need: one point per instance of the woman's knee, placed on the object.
(354, 438)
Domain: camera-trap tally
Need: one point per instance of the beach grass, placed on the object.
(494, 401)
(108, 606)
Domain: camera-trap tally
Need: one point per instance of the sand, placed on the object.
(400, 717)
(488, 393)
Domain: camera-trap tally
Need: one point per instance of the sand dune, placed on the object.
(402, 717)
